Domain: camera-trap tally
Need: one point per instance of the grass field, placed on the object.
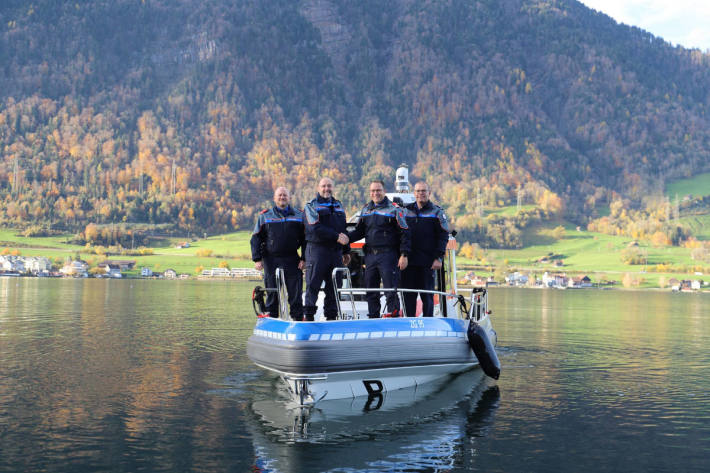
(582, 252)
(507, 211)
(232, 248)
(698, 186)
(699, 225)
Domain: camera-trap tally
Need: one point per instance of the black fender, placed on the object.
(483, 349)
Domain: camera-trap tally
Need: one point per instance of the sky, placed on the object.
(680, 22)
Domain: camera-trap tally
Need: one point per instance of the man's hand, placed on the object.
(258, 265)
(343, 239)
(301, 264)
(403, 262)
(436, 264)
(346, 259)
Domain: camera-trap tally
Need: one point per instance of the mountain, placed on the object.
(190, 112)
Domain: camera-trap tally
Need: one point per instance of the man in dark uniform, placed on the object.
(326, 248)
(430, 233)
(278, 235)
(387, 245)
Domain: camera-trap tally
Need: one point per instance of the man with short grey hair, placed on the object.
(277, 237)
(430, 234)
(387, 243)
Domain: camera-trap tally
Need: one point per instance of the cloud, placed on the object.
(684, 22)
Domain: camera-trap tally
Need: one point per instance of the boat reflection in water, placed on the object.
(426, 427)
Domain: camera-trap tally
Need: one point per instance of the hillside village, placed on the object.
(563, 281)
(39, 266)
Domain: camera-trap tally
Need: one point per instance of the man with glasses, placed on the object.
(327, 248)
(387, 245)
(430, 233)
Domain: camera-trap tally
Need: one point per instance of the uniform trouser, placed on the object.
(381, 265)
(320, 262)
(418, 277)
(294, 284)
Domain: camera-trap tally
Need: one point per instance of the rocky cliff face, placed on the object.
(335, 33)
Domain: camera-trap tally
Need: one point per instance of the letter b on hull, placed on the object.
(373, 386)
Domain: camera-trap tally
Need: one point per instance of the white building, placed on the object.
(38, 264)
(516, 279)
(77, 269)
(13, 263)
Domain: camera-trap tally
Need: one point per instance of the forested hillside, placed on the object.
(189, 113)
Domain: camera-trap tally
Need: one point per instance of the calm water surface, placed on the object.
(129, 376)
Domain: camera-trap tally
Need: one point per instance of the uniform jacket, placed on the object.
(383, 225)
(278, 233)
(324, 220)
(430, 233)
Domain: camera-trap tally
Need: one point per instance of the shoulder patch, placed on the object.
(264, 211)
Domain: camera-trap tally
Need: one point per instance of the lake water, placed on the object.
(130, 376)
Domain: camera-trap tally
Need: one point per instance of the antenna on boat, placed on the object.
(401, 181)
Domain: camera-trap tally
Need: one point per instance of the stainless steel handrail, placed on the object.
(352, 290)
(337, 289)
(282, 294)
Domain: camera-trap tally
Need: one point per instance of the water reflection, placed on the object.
(423, 428)
(125, 375)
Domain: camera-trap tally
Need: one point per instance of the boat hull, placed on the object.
(350, 358)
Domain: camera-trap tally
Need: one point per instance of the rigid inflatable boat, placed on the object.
(355, 356)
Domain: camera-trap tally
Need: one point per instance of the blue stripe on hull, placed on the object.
(361, 329)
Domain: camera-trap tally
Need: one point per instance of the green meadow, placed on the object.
(697, 186)
(586, 253)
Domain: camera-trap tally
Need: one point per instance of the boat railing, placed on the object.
(479, 302)
(282, 294)
(477, 309)
(346, 272)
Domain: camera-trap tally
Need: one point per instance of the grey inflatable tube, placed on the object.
(483, 349)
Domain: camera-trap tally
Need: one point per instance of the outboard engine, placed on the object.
(483, 349)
